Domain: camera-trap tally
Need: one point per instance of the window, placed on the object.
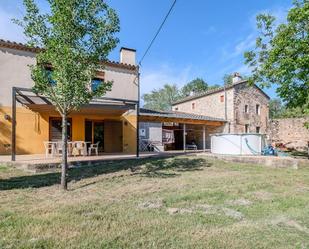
(142, 132)
(246, 128)
(222, 98)
(246, 109)
(193, 106)
(95, 83)
(49, 73)
(258, 129)
(55, 129)
(257, 109)
(176, 108)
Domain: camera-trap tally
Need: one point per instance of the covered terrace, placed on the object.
(189, 131)
(111, 122)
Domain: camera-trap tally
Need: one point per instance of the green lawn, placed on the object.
(181, 202)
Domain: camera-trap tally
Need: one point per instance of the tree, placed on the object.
(194, 87)
(275, 108)
(228, 79)
(213, 87)
(279, 110)
(163, 98)
(75, 36)
(281, 55)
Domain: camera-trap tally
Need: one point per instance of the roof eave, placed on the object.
(24, 47)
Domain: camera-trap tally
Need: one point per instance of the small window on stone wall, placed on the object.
(257, 109)
(176, 108)
(222, 98)
(246, 128)
(193, 106)
(246, 109)
(258, 129)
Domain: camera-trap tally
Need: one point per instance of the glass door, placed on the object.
(98, 134)
(94, 132)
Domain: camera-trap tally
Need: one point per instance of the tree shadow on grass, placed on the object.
(172, 168)
(151, 167)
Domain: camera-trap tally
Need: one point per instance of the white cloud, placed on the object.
(246, 44)
(156, 77)
(232, 55)
(9, 30)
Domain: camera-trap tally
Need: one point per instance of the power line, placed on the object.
(157, 33)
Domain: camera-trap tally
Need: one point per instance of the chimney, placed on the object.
(127, 56)
(236, 78)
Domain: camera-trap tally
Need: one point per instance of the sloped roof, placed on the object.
(24, 47)
(177, 115)
(217, 90)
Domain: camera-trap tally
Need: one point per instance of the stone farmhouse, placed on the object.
(238, 108)
(244, 107)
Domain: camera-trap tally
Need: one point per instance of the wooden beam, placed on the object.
(25, 97)
(13, 135)
(146, 118)
(204, 138)
(137, 130)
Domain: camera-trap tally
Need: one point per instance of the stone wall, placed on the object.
(211, 105)
(250, 96)
(237, 97)
(290, 131)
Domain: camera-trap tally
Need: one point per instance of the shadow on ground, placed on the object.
(151, 167)
(172, 168)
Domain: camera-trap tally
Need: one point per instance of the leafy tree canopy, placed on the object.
(228, 79)
(162, 99)
(76, 36)
(194, 87)
(278, 110)
(281, 55)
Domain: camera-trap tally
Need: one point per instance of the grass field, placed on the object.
(181, 202)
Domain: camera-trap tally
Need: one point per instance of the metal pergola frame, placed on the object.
(18, 95)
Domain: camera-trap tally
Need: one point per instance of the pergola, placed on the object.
(35, 102)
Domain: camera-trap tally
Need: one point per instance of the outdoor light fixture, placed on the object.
(7, 117)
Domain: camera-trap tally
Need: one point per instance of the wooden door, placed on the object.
(55, 129)
(113, 136)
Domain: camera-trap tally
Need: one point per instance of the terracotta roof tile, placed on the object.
(180, 115)
(219, 89)
(24, 47)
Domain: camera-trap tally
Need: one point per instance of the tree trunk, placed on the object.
(64, 164)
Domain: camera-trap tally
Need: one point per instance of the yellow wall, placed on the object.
(129, 133)
(33, 129)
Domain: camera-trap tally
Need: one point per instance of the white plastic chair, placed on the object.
(81, 146)
(49, 148)
(95, 148)
(59, 147)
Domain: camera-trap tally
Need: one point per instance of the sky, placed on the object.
(201, 38)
